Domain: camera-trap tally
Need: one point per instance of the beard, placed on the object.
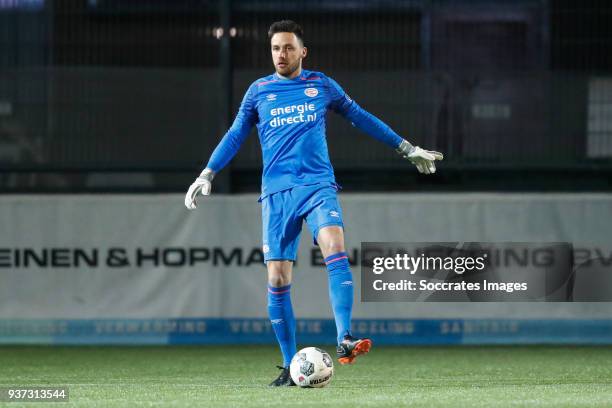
(288, 70)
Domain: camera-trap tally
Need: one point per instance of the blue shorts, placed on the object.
(283, 213)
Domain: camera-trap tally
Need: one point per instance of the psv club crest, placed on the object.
(312, 92)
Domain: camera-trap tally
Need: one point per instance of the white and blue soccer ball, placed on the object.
(312, 367)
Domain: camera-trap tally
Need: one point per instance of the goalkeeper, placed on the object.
(298, 184)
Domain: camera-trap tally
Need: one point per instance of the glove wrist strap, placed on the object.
(404, 147)
(207, 174)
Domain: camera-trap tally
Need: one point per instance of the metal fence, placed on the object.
(109, 94)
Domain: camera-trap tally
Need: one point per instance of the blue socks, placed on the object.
(281, 316)
(340, 291)
(280, 310)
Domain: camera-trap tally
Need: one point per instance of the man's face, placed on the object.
(287, 54)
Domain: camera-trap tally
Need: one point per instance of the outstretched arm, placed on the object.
(362, 119)
(226, 149)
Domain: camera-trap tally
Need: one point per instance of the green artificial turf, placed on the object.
(235, 376)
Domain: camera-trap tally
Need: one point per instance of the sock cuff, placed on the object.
(280, 290)
(336, 257)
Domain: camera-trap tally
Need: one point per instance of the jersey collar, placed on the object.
(302, 76)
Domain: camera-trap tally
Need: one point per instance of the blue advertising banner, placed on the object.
(309, 331)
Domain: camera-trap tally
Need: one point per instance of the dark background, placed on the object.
(132, 96)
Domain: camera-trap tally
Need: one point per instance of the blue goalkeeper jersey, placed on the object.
(290, 119)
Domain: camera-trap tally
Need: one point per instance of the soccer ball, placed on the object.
(311, 367)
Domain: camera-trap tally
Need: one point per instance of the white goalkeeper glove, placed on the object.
(200, 185)
(424, 160)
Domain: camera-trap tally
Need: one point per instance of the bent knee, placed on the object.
(279, 273)
(276, 281)
(333, 247)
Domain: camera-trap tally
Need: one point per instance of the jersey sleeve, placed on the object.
(341, 103)
(237, 133)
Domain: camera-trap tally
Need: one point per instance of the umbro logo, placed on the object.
(347, 283)
(271, 97)
(276, 321)
(335, 214)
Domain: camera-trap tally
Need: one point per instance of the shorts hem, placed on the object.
(279, 259)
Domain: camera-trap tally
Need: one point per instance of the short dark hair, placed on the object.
(286, 26)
